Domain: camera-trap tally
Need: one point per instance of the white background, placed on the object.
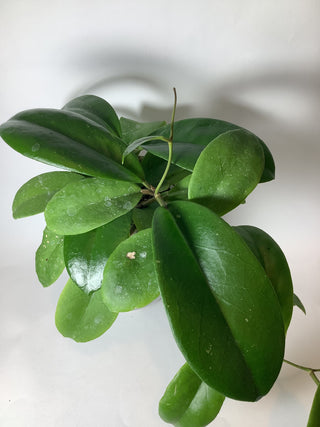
(255, 63)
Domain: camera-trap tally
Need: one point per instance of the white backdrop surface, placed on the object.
(253, 63)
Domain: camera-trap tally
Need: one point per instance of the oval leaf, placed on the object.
(227, 170)
(68, 140)
(314, 417)
(201, 131)
(49, 258)
(83, 206)
(33, 196)
(86, 254)
(96, 109)
(129, 279)
(132, 130)
(222, 308)
(272, 259)
(80, 316)
(188, 401)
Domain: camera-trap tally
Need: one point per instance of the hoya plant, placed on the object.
(136, 213)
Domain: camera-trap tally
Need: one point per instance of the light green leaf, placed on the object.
(188, 401)
(80, 316)
(314, 417)
(96, 109)
(49, 258)
(34, 195)
(132, 130)
(274, 262)
(223, 311)
(86, 254)
(129, 279)
(83, 206)
(227, 170)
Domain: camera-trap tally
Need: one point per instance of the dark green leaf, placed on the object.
(222, 308)
(80, 316)
(33, 196)
(297, 302)
(96, 109)
(188, 401)
(314, 417)
(137, 143)
(227, 170)
(202, 131)
(49, 258)
(142, 217)
(86, 254)
(85, 205)
(129, 279)
(272, 259)
(132, 130)
(179, 191)
(71, 141)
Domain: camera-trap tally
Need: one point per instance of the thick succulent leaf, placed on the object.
(188, 401)
(223, 311)
(80, 316)
(154, 167)
(202, 131)
(314, 417)
(274, 262)
(227, 170)
(142, 217)
(49, 258)
(66, 139)
(179, 191)
(132, 130)
(96, 109)
(138, 143)
(86, 254)
(298, 303)
(33, 196)
(130, 279)
(88, 204)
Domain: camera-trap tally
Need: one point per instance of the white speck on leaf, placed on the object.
(131, 255)
(35, 147)
(143, 254)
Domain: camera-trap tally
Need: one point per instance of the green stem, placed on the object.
(311, 371)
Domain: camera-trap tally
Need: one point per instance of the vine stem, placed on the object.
(311, 371)
(170, 147)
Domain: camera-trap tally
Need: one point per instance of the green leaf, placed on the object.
(227, 170)
(138, 142)
(129, 278)
(80, 316)
(201, 131)
(188, 401)
(96, 109)
(274, 262)
(49, 258)
(66, 139)
(88, 204)
(86, 254)
(142, 217)
(34, 195)
(223, 311)
(179, 191)
(298, 303)
(154, 167)
(314, 417)
(132, 130)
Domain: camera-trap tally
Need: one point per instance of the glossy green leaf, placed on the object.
(80, 316)
(227, 170)
(202, 131)
(66, 139)
(138, 143)
(33, 196)
(188, 401)
(49, 258)
(96, 109)
(129, 279)
(132, 130)
(142, 217)
(154, 167)
(298, 303)
(314, 417)
(223, 311)
(88, 204)
(179, 191)
(86, 254)
(272, 259)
